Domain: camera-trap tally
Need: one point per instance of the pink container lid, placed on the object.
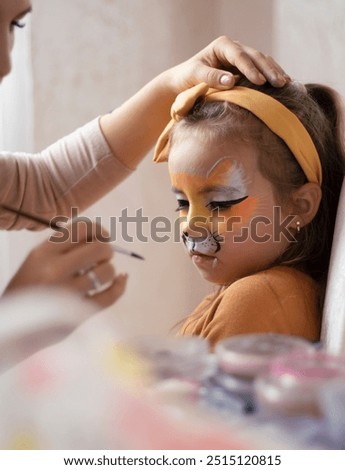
(293, 382)
(308, 368)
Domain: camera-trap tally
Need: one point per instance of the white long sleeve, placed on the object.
(75, 171)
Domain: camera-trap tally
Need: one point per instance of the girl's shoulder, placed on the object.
(279, 281)
(279, 300)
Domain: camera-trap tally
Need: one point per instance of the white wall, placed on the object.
(309, 38)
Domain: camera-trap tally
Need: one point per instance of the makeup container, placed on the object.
(240, 359)
(179, 364)
(294, 384)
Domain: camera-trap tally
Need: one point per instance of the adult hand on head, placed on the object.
(82, 264)
(132, 129)
(220, 62)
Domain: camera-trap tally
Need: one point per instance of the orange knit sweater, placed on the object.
(278, 300)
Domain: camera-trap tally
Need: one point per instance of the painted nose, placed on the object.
(207, 245)
(196, 230)
(197, 223)
(192, 241)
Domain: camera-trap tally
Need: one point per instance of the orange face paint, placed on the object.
(208, 198)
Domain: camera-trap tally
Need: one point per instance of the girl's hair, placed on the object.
(318, 108)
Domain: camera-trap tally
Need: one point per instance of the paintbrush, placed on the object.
(55, 226)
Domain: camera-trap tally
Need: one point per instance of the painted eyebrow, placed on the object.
(210, 189)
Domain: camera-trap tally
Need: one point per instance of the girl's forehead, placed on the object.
(226, 175)
(199, 156)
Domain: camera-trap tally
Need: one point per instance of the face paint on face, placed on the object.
(225, 178)
(208, 201)
(205, 246)
(220, 192)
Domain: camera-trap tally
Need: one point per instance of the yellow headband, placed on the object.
(271, 112)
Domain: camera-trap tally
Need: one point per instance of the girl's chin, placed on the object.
(208, 270)
(213, 279)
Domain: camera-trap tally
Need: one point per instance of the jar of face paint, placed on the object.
(247, 356)
(178, 364)
(240, 359)
(293, 383)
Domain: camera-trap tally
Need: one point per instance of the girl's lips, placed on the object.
(203, 261)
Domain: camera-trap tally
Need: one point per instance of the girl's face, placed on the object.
(12, 13)
(231, 227)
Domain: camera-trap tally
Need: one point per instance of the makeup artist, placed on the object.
(82, 167)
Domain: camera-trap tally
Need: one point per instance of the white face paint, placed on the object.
(234, 179)
(205, 246)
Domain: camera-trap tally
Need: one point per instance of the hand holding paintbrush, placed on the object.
(83, 268)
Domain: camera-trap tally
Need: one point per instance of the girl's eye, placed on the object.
(182, 205)
(223, 205)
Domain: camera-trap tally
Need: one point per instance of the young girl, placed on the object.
(257, 173)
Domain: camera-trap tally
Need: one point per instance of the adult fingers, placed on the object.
(94, 279)
(60, 268)
(224, 52)
(82, 257)
(112, 293)
(269, 68)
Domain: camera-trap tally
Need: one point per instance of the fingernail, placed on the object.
(277, 79)
(282, 80)
(262, 77)
(274, 77)
(226, 79)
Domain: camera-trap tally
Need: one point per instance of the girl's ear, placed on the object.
(306, 201)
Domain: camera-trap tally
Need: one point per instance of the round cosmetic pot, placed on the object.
(249, 355)
(243, 357)
(293, 383)
(175, 357)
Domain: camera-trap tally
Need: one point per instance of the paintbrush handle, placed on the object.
(119, 249)
(54, 226)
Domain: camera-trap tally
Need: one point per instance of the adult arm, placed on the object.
(84, 166)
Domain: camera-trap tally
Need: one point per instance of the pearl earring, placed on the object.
(298, 226)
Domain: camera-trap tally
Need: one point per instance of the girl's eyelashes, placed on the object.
(223, 205)
(17, 24)
(182, 204)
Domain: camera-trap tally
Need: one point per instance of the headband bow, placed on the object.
(279, 119)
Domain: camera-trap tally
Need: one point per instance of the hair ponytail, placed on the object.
(332, 154)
